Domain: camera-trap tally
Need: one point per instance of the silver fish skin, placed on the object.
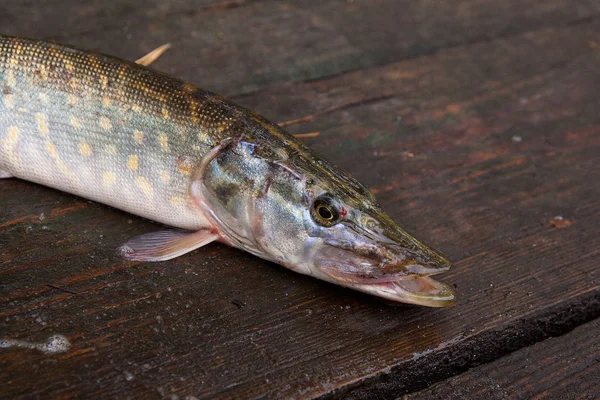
(125, 135)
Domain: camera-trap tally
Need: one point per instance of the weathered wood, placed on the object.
(235, 47)
(474, 146)
(566, 368)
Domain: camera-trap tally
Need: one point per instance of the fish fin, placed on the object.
(296, 121)
(306, 135)
(153, 55)
(5, 175)
(165, 245)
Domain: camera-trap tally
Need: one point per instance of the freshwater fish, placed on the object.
(125, 135)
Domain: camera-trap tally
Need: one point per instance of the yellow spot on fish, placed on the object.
(106, 101)
(13, 136)
(194, 111)
(164, 177)
(59, 163)
(68, 65)
(188, 88)
(111, 149)
(43, 72)
(176, 201)
(10, 78)
(104, 81)
(164, 141)
(9, 143)
(42, 124)
(132, 161)
(8, 101)
(71, 100)
(136, 108)
(185, 165)
(105, 124)
(144, 185)
(85, 149)
(203, 136)
(51, 150)
(123, 69)
(165, 112)
(108, 179)
(74, 122)
(138, 136)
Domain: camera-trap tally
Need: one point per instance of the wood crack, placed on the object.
(476, 350)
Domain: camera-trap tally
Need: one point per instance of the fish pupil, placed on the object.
(325, 213)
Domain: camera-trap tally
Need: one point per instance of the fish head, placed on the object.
(319, 221)
(364, 249)
(313, 218)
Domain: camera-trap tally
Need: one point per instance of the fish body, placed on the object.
(125, 135)
(105, 129)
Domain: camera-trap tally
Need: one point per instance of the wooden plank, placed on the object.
(567, 367)
(259, 43)
(474, 149)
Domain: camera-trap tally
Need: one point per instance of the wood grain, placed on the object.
(567, 367)
(475, 124)
(234, 47)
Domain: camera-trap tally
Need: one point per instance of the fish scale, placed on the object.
(125, 135)
(103, 129)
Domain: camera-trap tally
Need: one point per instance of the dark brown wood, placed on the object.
(476, 124)
(567, 367)
(242, 46)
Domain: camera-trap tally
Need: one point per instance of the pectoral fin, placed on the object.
(5, 175)
(165, 245)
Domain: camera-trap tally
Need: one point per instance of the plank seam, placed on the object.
(471, 352)
(459, 44)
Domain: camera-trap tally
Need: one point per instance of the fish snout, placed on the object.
(421, 261)
(380, 258)
(411, 263)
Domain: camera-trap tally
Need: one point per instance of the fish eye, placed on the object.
(324, 212)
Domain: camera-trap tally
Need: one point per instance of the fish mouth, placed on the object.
(411, 284)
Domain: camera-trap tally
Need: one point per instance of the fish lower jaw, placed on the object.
(410, 289)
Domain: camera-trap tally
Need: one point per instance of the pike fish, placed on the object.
(125, 135)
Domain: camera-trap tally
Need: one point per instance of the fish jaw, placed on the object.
(401, 286)
(413, 289)
(372, 254)
(410, 289)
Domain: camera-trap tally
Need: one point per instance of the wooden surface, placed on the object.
(567, 367)
(476, 123)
